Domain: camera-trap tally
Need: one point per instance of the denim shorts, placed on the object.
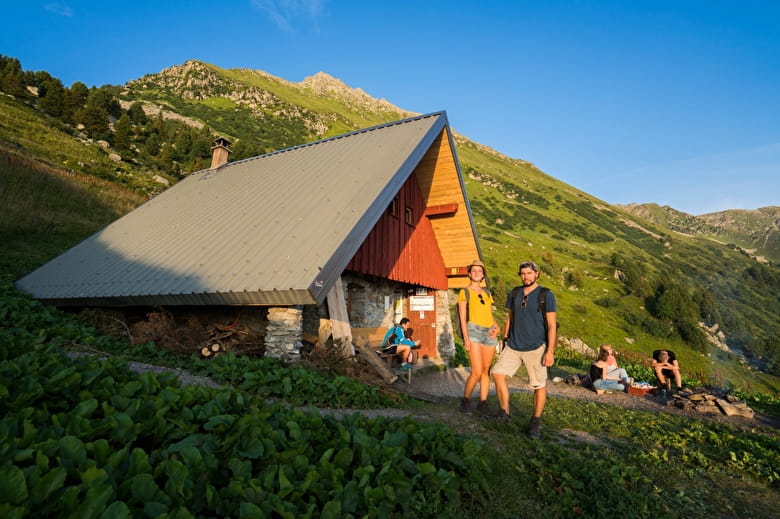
(481, 335)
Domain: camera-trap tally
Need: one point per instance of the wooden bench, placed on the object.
(373, 338)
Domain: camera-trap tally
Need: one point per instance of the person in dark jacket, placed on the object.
(666, 367)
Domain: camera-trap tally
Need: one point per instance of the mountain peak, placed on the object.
(323, 84)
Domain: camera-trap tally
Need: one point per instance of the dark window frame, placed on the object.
(392, 209)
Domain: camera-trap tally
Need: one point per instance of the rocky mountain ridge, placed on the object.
(198, 81)
(756, 232)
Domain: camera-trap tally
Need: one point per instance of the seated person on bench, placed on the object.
(396, 343)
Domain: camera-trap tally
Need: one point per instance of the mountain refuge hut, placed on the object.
(331, 238)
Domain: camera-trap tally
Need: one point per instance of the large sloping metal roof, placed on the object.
(275, 229)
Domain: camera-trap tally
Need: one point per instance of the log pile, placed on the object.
(213, 350)
(237, 338)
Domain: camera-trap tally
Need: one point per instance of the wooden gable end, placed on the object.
(402, 245)
(447, 206)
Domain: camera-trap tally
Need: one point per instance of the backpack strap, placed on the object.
(460, 329)
(543, 307)
(543, 300)
(512, 297)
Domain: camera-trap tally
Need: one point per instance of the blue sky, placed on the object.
(672, 102)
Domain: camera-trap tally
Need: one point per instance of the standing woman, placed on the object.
(480, 335)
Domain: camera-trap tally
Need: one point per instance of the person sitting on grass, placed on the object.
(600, 374)
(613, 371)
(665, 365)
(395, 343)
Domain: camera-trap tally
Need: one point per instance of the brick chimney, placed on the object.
(220, 152)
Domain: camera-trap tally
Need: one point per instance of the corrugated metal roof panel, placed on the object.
(274, 229)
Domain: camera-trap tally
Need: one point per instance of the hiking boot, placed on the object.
(502, 417)
(465, 405)
(482, 407)
(533, 428)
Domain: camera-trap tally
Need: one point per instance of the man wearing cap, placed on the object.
(530, 334)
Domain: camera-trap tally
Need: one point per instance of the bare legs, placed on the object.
(403, 350)
(481, 357)
(502, 391)
(540, 398)
(675, 372)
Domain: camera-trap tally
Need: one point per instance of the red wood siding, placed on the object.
(402, 252)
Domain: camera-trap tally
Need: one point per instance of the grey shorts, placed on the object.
(481, 335)
(509, 361)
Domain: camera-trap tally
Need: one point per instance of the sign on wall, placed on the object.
(421, 303)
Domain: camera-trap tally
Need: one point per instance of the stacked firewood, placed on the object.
(237, 339)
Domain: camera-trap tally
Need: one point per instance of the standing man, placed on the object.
(530, 335)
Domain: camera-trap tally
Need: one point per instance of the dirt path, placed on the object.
(446, 387)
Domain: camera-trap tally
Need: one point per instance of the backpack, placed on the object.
(392, 340)
(542, 305)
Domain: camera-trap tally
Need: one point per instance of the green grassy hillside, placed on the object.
(757, 232)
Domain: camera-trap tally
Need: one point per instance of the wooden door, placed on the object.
(422, 321)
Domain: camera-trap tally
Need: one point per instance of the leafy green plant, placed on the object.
(86, 436)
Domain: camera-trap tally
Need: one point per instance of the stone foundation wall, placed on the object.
(283, 333)
(445, 299)
(370, 303)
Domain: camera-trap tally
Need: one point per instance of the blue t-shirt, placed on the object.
(527, 331)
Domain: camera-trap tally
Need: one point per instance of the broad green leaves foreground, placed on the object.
(87, 437)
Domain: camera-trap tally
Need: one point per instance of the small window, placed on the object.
(409, 216)
(392, 209)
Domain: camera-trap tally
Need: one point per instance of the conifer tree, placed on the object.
(137, 114)
(11, 76)
(51, 96)
(95, 121)
(122, 129)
